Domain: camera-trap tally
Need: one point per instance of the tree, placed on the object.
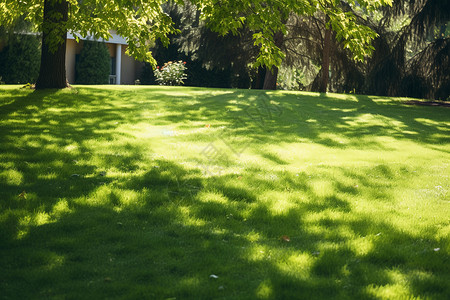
(93, 66)
(325, 58)
(271, 74)
(141, 22)
(19, 60)
(52, 73)
(213, 60)
(266, 19)
(411, 56)
(412, 60)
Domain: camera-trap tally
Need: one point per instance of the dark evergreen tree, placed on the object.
(409, 60)
(313, 48)
(20, 59)
(211, 60)
(93, 65)
(147, 76)
(429, 72)
(414, 61)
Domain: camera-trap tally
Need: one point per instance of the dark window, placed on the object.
(112, 71)
(77, 58)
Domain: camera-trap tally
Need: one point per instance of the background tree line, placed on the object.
(316, 51)
(410, 57)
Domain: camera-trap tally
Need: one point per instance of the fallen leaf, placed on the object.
(285, 238)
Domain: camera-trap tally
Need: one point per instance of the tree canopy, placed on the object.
(268, 17)
(142, 22)
(414, 59)
(139, 21)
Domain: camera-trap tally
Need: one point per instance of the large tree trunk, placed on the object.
(52, 73)
(258, 83)
(270, 81)
(325, 59)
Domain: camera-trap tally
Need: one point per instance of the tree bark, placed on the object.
(325, 58)
(270, 81)
(258, 83)
(52, 73)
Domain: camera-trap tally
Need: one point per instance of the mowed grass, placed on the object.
(189, 193)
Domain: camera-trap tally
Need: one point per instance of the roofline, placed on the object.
(115, 38)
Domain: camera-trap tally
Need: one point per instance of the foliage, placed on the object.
(271, 36)
(105, 194)
(139, 21)
(291, 78)
(412, 58)
(142, 22)
(304, 49)
(214, 61)
(93, 65)
(431, 67)
(235, 53)
(147, 75)
(20, 59)
(266, 18)
(171, 73)
(406, 62)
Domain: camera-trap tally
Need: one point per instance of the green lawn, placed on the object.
(189, 193)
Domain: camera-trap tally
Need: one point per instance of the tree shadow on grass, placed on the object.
(253, 113)
(275, 117)
(48, 151)
(162, 230)
(161, 245)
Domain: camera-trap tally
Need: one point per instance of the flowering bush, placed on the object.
(172, 73)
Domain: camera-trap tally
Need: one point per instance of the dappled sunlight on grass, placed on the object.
(145, 192)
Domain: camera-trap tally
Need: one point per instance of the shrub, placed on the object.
(291, 79)
(20, 59)
(172, 73)
(147, 74)
(93, 65)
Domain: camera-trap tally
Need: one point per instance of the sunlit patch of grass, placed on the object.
(11, 177)
(146, 192)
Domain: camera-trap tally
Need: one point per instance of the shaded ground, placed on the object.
(113, 192)
(428, 103)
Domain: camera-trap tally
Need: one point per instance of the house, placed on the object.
(124, 69)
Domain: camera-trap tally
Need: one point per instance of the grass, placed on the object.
(189, 193)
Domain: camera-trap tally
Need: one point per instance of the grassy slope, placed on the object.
(112, 192)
